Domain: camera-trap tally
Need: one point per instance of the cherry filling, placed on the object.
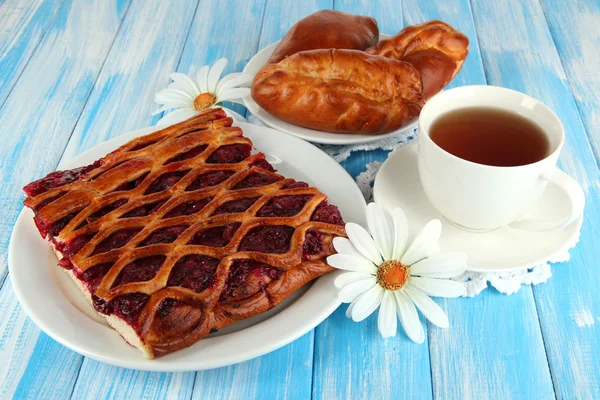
(165, 181)
(295, 185)
(144, 210)
(116, 240)
(58, 179)
(230, 154)
(93, 275)
(143, 145)
(284, 206)
(195, 272)
(209, 179)
(73, 246)
(65, 263)
(256, 179)
(129, 307)
(140, 270)
(188, 154)
(268, 239)
(218, 236)
(264, 164)
(48, 201)
(164, 235)
(102, 212)
(188, 208)
(131, 184)
(236, 206)
(327, 213)
(247, 277)
(55, 228)
(105, 210)
(313, 243)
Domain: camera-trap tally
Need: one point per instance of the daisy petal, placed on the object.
(350, 277)
(446, 265)
(184, 83)
(400, 233)
(350, 308)
(381, 227)
(345, 246)
(351, 263)
(428, 307)
(202, 79)
(231, 81)
(173, 96)
(387, 322)
(233, 94)
(215, 73)
(166, 107)
(175, 117)
(438, 287)
(351, 292)
(367, 303)
(363, 242)
(409, 318)
(425, 244)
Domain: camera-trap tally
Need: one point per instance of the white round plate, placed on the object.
(311, 135)
(505, 249)
(55, 304)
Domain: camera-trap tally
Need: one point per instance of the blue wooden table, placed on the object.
(74, 73)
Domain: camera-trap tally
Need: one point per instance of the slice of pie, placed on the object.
(181, 232)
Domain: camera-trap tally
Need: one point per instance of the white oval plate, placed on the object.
(55, 304)
(505, 249)
(311, 135)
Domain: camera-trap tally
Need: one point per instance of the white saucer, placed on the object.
(505, 249)
(311, 135)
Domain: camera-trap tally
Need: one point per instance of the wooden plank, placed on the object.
(206, 45)
(351, 359)
(287, 372)
(24, 23)
(283, 374)
(36, 121)
(146, 51)
(137, 66)
(576, 33)
(489, 321)
(454, 364)
(521, 55)
(102, 381)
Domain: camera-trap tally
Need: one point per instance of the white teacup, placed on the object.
(482, 197)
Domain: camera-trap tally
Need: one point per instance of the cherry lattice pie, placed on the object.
(180, 232)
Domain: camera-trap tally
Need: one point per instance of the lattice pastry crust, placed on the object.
(181, 232)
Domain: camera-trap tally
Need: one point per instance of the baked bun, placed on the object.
(343, 91)
(436, 49)
(328, 29)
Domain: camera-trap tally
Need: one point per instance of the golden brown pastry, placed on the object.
(328, 29)
(344, 91)
(436, 49)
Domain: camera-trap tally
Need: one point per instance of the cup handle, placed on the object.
(573, 191)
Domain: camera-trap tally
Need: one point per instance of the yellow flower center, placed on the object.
(204, 101)
(392, 275)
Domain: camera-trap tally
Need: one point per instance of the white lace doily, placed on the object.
(475, 282)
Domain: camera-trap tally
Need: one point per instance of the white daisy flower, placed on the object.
(386, 273)
(189, 98)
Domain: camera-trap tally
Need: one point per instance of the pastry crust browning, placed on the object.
(328, 29)
(436, 49)
(345, 91)
(80, 214)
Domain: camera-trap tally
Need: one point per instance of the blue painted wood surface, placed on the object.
(74, 73)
